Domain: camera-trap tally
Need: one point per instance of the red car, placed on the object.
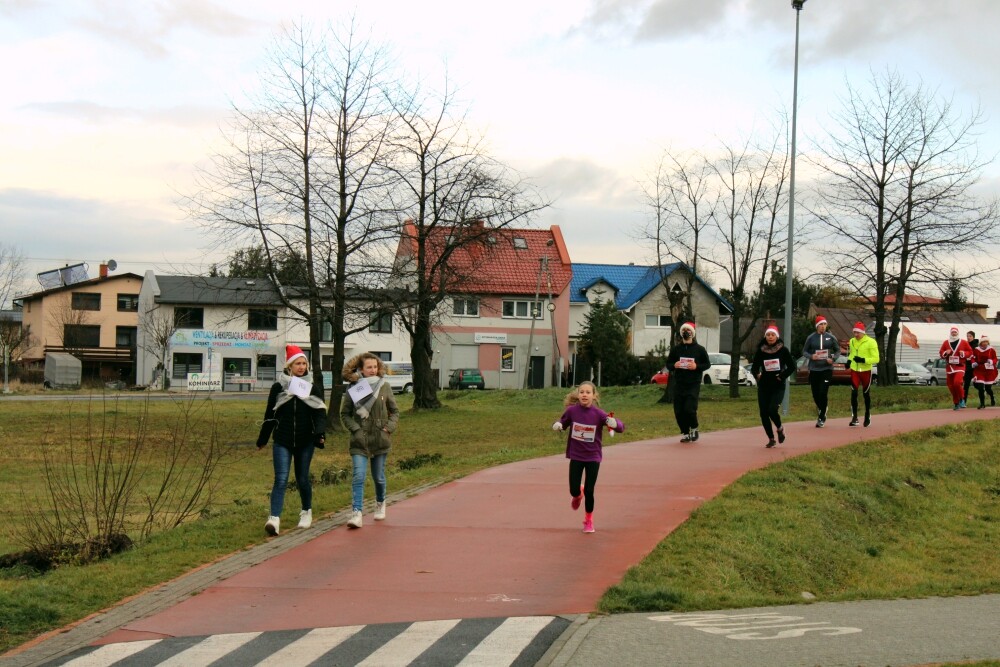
(661, 377)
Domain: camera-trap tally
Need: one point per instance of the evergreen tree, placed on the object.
(604, 343)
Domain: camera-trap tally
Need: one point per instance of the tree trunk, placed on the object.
(424, 387)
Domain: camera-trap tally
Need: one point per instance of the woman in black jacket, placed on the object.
(772, 365)
(296, 415)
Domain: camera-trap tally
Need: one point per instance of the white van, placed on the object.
(399, 375)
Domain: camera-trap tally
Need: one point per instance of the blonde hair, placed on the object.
(573, 397)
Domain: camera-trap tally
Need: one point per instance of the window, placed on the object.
(520, 309)
(81, 335)
(125, 337)
(86, 301)
(189, 318)
(262, 319)
(325, 334)
(184, 363)
(384, 356)
(128, 303)
(381, 323)
(267, 367)
(520, 243)
(465, 307)
(507, 359)
(657, 321)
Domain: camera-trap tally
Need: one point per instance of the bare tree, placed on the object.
(158, 327)
(304, 176)
(452, 197)
(12, 270)
(899, 169)
(747, 232)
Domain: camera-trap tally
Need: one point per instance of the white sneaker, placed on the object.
(273, 525)
(380, 511)
(355, 521)
(305, 518)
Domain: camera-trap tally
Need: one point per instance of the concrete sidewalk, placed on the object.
(500, 543)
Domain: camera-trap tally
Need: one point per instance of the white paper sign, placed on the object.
(988, 364)
(954, 360)
(584, 432)
(822, 354)
(772, 365)
(299, 387)
(687, 362)
(359, 391)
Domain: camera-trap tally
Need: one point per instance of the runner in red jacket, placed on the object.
(984, 373)
(956, 350)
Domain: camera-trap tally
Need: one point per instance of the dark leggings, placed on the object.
(987, 388)
(819, 382)
(576, 476)
(769, 400)
(686, 408)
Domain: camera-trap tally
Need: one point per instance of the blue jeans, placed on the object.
(360, 463)
(283, 458)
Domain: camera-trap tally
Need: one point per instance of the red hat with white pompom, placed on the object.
(688, 325)
(772, 329)
(293, 352)
(820, 320)
(859, 327)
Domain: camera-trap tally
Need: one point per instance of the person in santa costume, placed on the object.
(862, 354)
(687, 361)
(296, 416)
(956, 351)
(984, 370)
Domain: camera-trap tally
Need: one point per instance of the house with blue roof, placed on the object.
(642, 293)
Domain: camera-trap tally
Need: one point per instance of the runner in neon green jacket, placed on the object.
(862, 354)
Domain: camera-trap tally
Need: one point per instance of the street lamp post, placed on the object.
(789, 276)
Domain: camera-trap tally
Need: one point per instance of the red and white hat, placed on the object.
(859, 327)
(772, 329)
(293, 352)
(984, 338)
(954, 330)
(688, 325)
(820, 320)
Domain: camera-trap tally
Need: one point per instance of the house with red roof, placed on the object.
(506, 305)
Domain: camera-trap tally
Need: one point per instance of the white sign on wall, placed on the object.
(500, 338)
(203, 382)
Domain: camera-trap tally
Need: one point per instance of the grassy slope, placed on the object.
(475, 430)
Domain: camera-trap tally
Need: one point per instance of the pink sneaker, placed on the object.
(575, 503)
(588, 523)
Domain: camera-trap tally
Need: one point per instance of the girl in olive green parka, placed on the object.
(371, 417)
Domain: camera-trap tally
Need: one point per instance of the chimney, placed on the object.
(104, 271)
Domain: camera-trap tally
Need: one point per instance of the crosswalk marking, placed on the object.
(310, 647)
(407, 645)
(110, 653)
(210, 649)
(505, 643)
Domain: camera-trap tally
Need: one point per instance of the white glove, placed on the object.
(975, 365)
(611, 422)
(557, 426)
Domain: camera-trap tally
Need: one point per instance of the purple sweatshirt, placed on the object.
(585, 427)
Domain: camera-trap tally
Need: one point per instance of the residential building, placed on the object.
(95, 320)
(509, 314)
(643, 294)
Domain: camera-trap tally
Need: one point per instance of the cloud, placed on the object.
(91, 112)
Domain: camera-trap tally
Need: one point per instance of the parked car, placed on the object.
(938, 368)
(907, 373)
(718, 373)
(747, 367)
(841, 372)
(399, 375)
(466, 378)
(661, 376)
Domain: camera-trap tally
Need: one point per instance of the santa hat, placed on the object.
(859, 327)
(772, 329)
(820, 320)
(984, 339)
(293, 352)
(688, 325)
(954, 330)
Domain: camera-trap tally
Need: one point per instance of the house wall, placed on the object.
(47, 315)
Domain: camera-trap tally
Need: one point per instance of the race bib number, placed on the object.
(772, 365)
(299, 387)
(954, 360)
(687, 361)
(360, 391)
(583, 432)
(822, 354)
(988, 364)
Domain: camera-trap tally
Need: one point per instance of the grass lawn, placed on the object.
(853, 508)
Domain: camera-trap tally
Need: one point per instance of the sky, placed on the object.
(109, 107)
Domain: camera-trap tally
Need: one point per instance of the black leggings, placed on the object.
(987, 388)
(686, 407)
(576, 470)
(769, 400)
(819, 382)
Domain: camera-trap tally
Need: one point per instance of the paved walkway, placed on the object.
(500, 543)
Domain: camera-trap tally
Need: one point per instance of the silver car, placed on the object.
(938, 368)
(908, 373)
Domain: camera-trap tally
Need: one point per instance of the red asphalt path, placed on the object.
(501, 542)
